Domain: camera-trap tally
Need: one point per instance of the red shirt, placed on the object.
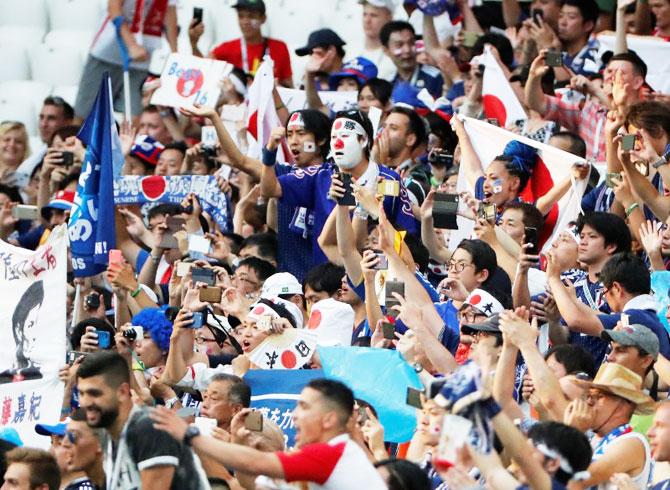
(657, 33)
(231, 51)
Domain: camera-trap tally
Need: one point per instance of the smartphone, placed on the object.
(470, 39)
(25, 211)
(390, 301)
(254, 421)
(183, 268)
(454, 433)
(197, 15)
(199, 244)
(388, 187)
(200, 274)
(383, 262)
(628, 142)
(538, 15)
(413, 398)
(348, 198)
(611, 177)
(388, 330)
(205, 424)
(73, 355)
(445, 207)
(532, 238)
(104, 339)
(174, 224)
(199, 319)
(115, 256)
(487, 211)
(210, 294)
(553, 59)
(67, 157)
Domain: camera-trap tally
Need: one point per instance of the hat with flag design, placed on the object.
(146, 149)
(484, 302)
(63, 200)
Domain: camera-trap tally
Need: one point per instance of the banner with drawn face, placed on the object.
(32, 325)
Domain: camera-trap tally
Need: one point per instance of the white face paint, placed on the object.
(347, 150)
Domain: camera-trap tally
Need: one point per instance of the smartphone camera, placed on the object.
(92, 301)
(199, 319)
(104, 339)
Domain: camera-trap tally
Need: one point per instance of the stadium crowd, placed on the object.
(541, 348)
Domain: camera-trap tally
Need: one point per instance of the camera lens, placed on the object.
(130, 334)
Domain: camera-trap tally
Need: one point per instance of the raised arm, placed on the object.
(438, 251)
(511, 12)
(533, 90)
(469, 160)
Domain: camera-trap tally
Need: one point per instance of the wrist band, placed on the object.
(137, 291)
(269, 157)
(118, 21)
(631, 208)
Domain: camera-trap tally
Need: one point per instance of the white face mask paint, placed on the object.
(347, 150)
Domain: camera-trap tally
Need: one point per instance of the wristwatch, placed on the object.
(191, 432)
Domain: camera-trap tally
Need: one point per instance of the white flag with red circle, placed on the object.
(499, 100)
(291, 349)
(553, 166)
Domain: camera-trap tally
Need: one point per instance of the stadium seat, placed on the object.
(26, 92)
(68, 92)
(85, 15)
(292, 20)
(74, 39)
(56, 65)
(15, 61)
(26, 37)
(17, 110)
(25, 13)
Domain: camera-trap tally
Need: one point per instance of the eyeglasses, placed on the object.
(457, 266)
(594, 395)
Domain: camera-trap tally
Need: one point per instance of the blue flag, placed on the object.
(381, 378)
(91, 226)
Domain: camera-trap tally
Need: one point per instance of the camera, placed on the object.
(133, 333)
(92, 301)
(441, 158)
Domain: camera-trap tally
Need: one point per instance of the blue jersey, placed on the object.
(600, 198)
(293, 237)
(586, 62)
(308, 188)
(427, 77)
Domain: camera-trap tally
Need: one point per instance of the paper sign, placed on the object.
(290, 350)
(208, 136)
(187, 80)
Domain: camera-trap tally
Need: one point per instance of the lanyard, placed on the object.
(609, 438)
(245, 55)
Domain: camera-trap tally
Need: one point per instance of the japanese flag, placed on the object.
(553, 167)
(291, 349)
(500, 101)
(261, 114)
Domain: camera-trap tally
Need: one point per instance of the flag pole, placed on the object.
(125, 57)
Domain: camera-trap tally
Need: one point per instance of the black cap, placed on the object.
(322, 37)
(491, 325)
(257, 5)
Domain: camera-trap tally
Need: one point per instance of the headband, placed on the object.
(296, 120)
(347, 124)
(563, 463)
(484, 302)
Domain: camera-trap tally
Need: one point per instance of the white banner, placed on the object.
(32, 325)
(188, 80)
(654, 51)
(295, 99)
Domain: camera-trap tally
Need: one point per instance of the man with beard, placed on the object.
(136, 455)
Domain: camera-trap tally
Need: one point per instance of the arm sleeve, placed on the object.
(609, 321)
(567, 115)
(150, 447)
(314, 463)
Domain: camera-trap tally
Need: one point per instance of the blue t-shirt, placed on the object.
(586, 62)
(308, 188)
(294, 249)
(600, 198)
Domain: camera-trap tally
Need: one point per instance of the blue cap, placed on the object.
(405, 93)
(49, 430)
(360, 68)
(10, 435)
(147, 149)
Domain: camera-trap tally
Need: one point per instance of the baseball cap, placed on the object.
(280, 283)
(321, 37)
(146, 149)
(63, 200)
(390, 5)
(257, 5)
(52, 430)
(360, 68)
(491, 324)
(635, 335)
(10, 435)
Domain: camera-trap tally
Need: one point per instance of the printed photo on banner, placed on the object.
(187, 80)
(32, 323)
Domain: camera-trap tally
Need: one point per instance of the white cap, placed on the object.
(333, 321)
(390, 5)
(280, 283)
